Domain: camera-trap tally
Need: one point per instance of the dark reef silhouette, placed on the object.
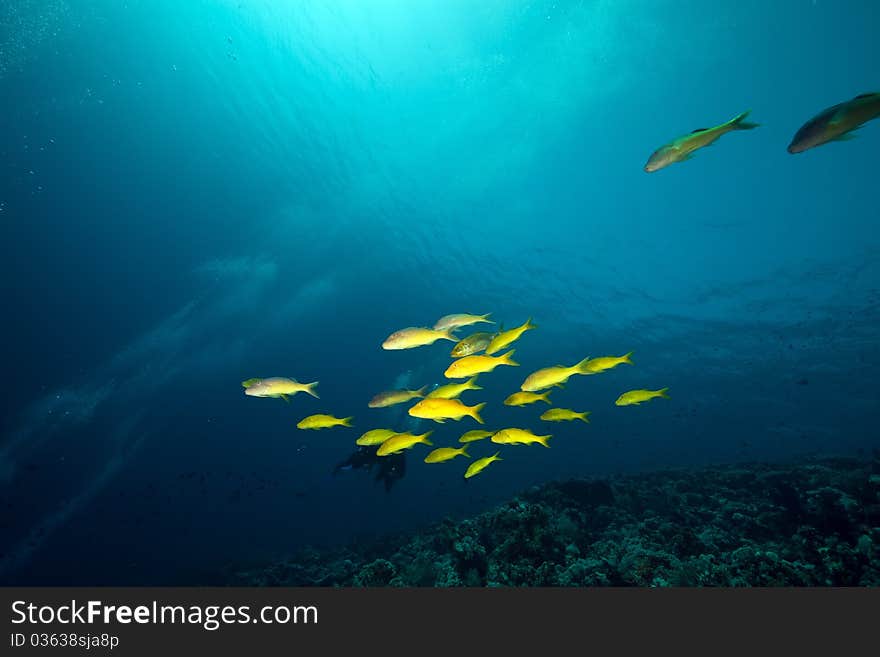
(810, 523)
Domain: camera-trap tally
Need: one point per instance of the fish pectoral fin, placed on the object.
(285, 398)
(439, 420)
(846, 136)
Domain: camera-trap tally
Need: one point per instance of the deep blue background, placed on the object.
(194, 193)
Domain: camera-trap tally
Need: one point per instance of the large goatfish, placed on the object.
(683, 148)
(836, 123)
(416, 336)
(277, 386)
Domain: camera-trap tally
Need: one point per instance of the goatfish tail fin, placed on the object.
(421, 392)
(463, 451)
(507, 358)
(542, 440)
(530, 324)
(627, 358)
(581, 368)
(546, 397)
(310, 389)
(485, 318)
(472, 384)
(583, 416)
(449, 334)
(346, 421)
(739, 123)
(475, 412)
(662, 393)
(495, 457)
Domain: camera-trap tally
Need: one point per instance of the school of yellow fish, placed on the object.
(473, 355)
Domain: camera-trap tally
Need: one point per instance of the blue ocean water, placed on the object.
(196, 193)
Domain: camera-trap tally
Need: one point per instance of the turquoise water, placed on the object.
(197, 193)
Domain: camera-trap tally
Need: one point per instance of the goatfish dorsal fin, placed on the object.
(247, 383)
(693, 132)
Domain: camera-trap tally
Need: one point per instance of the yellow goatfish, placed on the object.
(523, 398)
(636, 397)
(683, 148)
(442, 454)
(402, 441)
(416, 336)
(445, 409)
(836, 123)
(473, 436)
(453, 390)
(505, 338)
(515, 436)
(471, 365)
(472, 344)
(596, 365)
(481, 464)
(277, 386)
(553, 376)
(457, 321)
(375, 437)
(321, 421)
(391, 397)
(563, 414)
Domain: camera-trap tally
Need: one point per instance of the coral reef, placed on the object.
(813, 523)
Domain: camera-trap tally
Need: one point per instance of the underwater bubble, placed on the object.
(25, 25)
